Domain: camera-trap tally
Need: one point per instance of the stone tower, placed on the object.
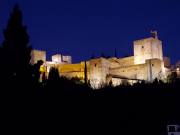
(99, 69)
(148, 48)
(37, 55)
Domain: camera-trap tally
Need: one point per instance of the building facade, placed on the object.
(147, 64)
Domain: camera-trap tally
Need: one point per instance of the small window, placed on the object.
(95, 65)
(142, 46)
(123, 71)
(152, 64)
(135, 69)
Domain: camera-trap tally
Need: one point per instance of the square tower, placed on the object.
(99, 69)
(57, 59)
(148, 48)
(37, 55)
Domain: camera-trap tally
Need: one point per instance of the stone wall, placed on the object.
(114, 64)
(99, 69)
(166, 62)
(156, 48)
(131, 72)
(178, 64)
(74, 74)
(73, 67)
(127, 61)
(69, 67)
(118, 81)
(154, 67)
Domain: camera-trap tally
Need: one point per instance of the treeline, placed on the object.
(61, 106)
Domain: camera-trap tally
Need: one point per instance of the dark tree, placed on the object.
(36, 73)
(92, 57)
(172, 77)
(115, 53)
(15, 55)
(85, 73)
(108, 56)
(102, 55)
(53, 75)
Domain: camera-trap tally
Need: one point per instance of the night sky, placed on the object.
(81, 28)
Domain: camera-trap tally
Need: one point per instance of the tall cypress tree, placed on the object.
(15, 52)
(102, 55)
(85, 73)
(115, 53)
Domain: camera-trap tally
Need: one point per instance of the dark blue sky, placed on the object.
(81, 28)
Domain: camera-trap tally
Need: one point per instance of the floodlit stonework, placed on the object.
(147, 64)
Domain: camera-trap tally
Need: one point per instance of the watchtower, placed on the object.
(37, 55)
(99, 69)
(148, 48)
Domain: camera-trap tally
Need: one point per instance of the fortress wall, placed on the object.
(43, 69)
(157, 49)
(131, 72)
(112, 59)
(160, 50)
(114, 64)
(37, 55)
(155, 66)
(73, 74)
(95, 68)
(73, 67)
(69, 67)
(118, 81)
(66, 58)
(142, 50)
(105, 67)
(99, 69)
(128, 61)
(178, 64)
(87, 65)
(166, 62)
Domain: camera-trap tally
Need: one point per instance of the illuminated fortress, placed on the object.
(146, 64)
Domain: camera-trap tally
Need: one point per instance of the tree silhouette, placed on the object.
(108, 56)
(53, 75)
(85, 73)
(44, 79)
(92, 57)
(102, 55)
(172, 77)
(115, 53)
(15, 55)
(36, 72)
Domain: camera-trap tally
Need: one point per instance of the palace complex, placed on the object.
(147, 64)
